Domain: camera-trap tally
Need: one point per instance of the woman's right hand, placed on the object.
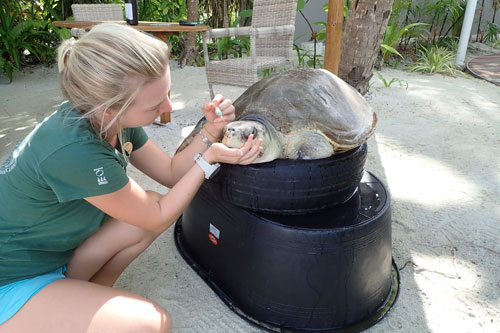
(218, 152)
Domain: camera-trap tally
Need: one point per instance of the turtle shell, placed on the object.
(310, 99)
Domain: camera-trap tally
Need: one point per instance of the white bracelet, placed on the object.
(205, 139)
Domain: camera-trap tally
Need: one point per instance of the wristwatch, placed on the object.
(210, 170)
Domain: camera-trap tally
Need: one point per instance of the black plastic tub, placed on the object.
(327, 271)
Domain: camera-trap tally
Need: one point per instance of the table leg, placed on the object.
(165, 118)
(162, 35)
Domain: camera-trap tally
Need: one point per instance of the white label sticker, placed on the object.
(214, 231)
(128, 11)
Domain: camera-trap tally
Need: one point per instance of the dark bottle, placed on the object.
(131, 12)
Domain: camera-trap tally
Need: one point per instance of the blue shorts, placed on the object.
(15, 294)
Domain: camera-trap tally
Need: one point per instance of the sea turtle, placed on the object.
(301, 114)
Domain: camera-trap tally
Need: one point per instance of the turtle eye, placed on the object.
(246, 133)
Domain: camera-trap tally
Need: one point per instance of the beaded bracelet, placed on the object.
(205, 139)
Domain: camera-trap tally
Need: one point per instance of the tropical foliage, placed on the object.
(491, 35)
(387, 84)
(434, 59)
(162, 11)
(26, 36)
(426, 32)
(393, 35)
(308, 58)
(235, 47)
(419, 31)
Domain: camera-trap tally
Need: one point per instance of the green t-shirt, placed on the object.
(43, 216)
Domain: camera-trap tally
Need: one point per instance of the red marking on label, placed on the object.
(212, 239)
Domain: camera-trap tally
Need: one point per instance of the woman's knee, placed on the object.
(90, 307)
(166, 321)
(131, 316)
(158, 320)
(124, 311)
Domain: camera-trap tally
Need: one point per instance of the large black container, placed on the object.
(322, 271)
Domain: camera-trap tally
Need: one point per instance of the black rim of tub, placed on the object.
(364, 324)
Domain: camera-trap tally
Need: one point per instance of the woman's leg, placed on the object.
(70, 305)
(106, 254)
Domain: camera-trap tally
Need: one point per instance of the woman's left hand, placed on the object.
(218, 152)
(215, 123)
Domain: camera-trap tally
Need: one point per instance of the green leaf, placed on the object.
(246, 13)
(390, 49)
(380, 77)
(301, 4)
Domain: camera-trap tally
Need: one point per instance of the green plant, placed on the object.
(449, 43)
(443, 17)
(233, 46)
(218, 13)
(314, 59)
(174, 46)
(300, 55)
(307, 59)
(392, 37)
(163, 11)
(456, 16)
(444, 12)
(434, 59)
(400, 30)
(321, 34)
(491, 35)
(495, 5)
(402, 83)
(24, 41)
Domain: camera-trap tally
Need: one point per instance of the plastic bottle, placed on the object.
(131, 12)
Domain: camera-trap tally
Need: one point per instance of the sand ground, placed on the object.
(437, 147)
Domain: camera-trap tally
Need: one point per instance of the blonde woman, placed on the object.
(71, 220)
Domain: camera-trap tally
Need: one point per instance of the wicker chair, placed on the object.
(271, 45)
(111, 12)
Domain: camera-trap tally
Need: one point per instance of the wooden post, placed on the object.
(334, 35)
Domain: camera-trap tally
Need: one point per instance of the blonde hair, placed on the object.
(108, 67)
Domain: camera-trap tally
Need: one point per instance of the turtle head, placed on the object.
(236, 133)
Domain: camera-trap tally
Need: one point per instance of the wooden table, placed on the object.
(160, 30)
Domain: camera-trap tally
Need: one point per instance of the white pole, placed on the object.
(465, 33)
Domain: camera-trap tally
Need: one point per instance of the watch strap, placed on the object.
(209, 169)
